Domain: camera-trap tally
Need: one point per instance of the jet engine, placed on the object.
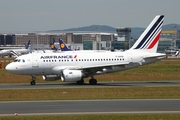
(51, 77)
(71, 75)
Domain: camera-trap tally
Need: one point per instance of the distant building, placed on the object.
(124, 34)
(169, 41)
(74, 40)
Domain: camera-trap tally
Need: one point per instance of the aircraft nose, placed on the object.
(10, 68)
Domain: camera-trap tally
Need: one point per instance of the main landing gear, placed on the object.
(33, 82)
(92, 81)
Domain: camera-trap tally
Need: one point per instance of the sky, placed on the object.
(44, 15)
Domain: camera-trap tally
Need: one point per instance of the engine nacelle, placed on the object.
(51, 77)
(71, 75)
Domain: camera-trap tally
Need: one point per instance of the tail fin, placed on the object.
(27, 45)
(63, 46)
(149, 39)
(52, 46)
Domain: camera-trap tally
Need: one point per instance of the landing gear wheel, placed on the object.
(92, 81)
(80, 82)
(33, 82)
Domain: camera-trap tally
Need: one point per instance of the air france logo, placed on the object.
(59, 57)
(62, 45)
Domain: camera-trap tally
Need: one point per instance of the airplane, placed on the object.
(75, 66)
(15, 52)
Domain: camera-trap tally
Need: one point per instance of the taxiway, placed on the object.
(86, 85)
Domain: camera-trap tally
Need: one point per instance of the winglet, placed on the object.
(149, 39)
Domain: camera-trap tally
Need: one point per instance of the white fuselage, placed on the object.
(54, 63)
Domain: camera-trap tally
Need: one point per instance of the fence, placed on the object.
(4, 62)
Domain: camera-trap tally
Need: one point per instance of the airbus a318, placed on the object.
(75, 66)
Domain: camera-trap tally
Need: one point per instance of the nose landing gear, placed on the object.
(33, 82)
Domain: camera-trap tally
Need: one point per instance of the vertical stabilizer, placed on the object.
(52, 46)
(63, 46)
(149, 39)
(27, 45)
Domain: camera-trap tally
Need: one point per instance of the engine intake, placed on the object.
(71, 75)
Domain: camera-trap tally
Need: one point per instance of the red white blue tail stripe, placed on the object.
(150, 37)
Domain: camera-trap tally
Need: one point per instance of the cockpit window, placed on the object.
(19, 60)
(16, 60)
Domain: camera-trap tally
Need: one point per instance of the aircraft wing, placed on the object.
(99, 69)
(104, 66)
(90, 69)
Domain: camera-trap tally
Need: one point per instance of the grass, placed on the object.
(91, 93)
(99, 117)
(167, 69)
